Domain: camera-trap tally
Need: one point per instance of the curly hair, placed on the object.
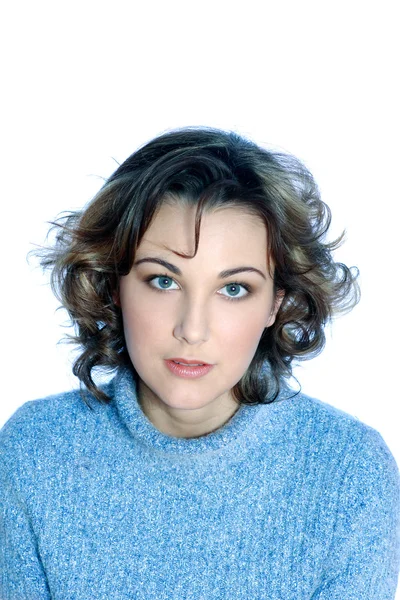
(207, 168)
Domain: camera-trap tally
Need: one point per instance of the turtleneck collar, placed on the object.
(124, 391)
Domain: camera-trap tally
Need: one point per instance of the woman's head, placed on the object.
(213, 201)
(195, 309)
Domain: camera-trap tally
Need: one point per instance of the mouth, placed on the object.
(189, 370)
(189, 362)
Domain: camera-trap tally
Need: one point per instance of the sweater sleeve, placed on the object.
(364, 554)
(22, 576)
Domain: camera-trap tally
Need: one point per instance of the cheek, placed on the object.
(241, 336)
(143, 329)
(138, 315)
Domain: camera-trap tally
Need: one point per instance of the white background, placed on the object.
(85, 83)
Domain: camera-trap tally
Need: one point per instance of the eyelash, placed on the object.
(246, 286)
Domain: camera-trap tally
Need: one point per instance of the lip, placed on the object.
(187, 372)
(190, 361)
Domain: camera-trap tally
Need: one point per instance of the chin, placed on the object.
(186, 402)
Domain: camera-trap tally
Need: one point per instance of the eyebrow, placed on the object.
(223, 275)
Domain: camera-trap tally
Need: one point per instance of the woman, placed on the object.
(199, 272)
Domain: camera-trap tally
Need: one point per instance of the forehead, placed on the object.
(222, 230)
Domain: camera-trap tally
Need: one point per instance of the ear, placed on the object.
(279, 296)
(116, 299)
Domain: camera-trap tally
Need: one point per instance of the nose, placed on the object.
(192, 322)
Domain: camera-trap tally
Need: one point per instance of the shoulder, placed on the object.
(345, 443)
(322, 420)
(44, 413)
(48, 424)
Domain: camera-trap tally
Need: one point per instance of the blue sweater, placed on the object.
(294, 500)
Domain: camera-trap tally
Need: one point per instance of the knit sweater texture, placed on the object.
(294, 500)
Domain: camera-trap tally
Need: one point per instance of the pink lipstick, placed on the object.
(190, 369)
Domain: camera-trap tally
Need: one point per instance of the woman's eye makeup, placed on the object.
(162, 283)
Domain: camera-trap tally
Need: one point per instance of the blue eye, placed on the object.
(234, 289)
(162, 283)
(163, 280)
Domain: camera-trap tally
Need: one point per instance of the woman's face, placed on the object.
(196, 313)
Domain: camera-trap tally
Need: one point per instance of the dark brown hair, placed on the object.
(208, 168)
